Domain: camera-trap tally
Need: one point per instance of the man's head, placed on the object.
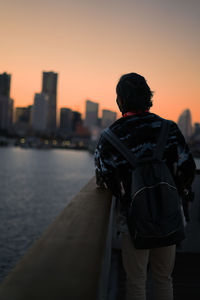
(133, 93)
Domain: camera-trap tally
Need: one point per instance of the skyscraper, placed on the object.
(6, 104)
(108, 117)
(49, 88)
(185, 124)
(91, 113)
(39, 113)
(5, 80)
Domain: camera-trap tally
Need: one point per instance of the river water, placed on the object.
(35, 186)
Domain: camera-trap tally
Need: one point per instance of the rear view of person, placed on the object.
(141, 133)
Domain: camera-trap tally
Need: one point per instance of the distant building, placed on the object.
(49, 88)
(108, 117)
(23, 114)
(3, 112)
(71, 122)
(39, 112)
(6, 104)
(5, 80)
(76, 121)
(78, 126)
(185, 124)
(10, 112)
(91, 114)
(22, 119)
(196, 129)
(66, 120)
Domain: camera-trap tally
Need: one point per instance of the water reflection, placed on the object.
(35, 185)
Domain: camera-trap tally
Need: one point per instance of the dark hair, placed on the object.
(134, 92)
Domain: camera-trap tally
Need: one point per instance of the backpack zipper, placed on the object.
(150, 187)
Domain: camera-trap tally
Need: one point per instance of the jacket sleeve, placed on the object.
(105, 167)
(186, 167)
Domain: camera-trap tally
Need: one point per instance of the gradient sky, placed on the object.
(92, 43)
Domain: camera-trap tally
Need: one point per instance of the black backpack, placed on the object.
(155, 216)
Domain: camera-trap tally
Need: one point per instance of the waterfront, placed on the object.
(35, 186)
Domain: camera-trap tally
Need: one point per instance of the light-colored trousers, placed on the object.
(135, 263)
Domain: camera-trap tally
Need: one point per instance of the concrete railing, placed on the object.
(66, 262)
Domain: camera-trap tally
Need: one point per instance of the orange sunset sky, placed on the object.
(92, 43)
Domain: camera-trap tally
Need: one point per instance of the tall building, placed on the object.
(91, 113)
(5, 80)
(49, 88)
(185, 124)
(108, 117)
(39, 112)
(6, 104)
(66, 119)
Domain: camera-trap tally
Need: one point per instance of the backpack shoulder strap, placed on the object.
(128, 155)
(115, 141)
(162, 140)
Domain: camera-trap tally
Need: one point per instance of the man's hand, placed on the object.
(99, 182)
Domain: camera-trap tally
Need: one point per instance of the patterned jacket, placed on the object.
(140, 133)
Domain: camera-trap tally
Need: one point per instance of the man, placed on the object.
(139, 129)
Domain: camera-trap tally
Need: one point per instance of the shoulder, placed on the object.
(114, 127)
(175, 135)
(172, 125)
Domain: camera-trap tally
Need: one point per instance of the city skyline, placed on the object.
(58, 108)
(90, 44)
(39, 119)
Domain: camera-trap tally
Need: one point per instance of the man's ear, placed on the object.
(119, 103)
